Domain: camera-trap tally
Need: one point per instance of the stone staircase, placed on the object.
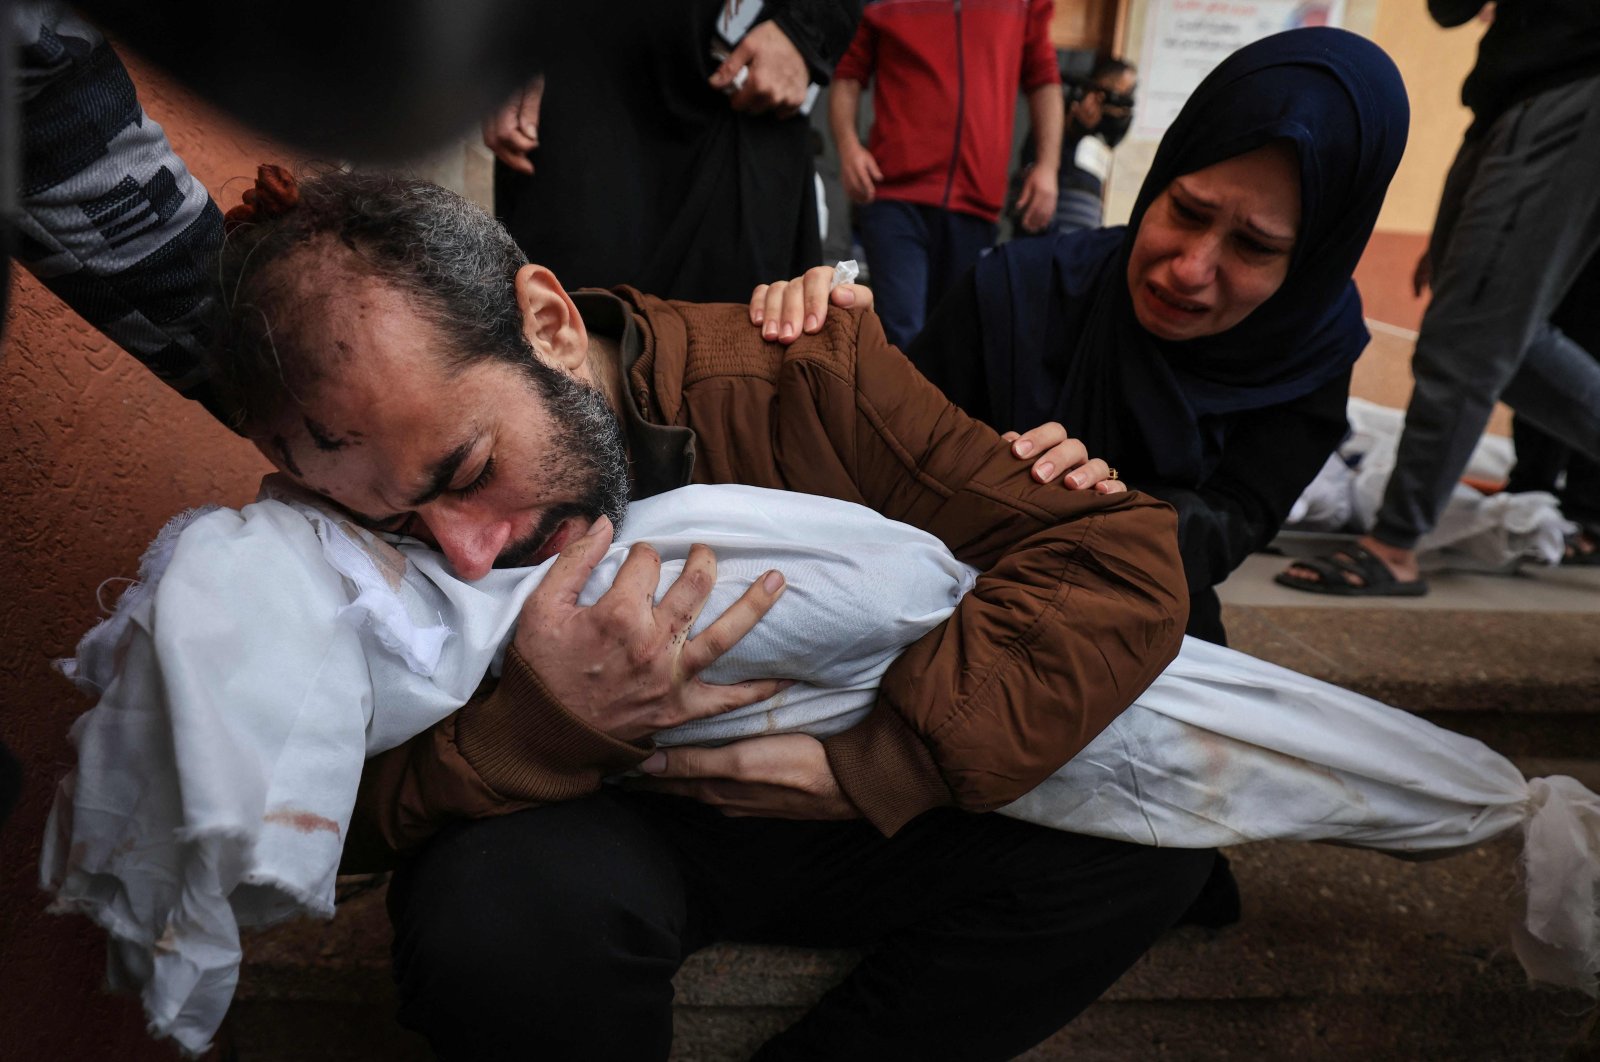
(1341, 954)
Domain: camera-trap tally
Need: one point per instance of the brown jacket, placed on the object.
(1080, 606)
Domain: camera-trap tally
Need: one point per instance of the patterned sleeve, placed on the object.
(110, 218)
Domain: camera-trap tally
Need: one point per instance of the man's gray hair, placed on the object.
(456, 264)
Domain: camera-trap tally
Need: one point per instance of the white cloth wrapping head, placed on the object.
(265, 652)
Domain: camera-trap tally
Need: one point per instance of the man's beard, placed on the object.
(591, 459)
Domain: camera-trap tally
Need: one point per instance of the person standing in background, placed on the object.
(1099, 114)
(931, 180)
(637, 156)
(1518, 219)
(1548, 464)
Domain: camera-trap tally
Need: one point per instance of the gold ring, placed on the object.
(1111, 473)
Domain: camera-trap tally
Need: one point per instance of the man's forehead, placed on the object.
(373, 447)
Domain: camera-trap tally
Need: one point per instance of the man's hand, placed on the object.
(859, 173)
(626, 665)
(1057, 454)
(777, 76)
(785, 309)
(1037, 203)
(781, 777)
(513, 130)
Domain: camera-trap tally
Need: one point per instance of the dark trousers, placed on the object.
(916, 254)
(1518, 219)
(1544, 462)
(554, 933)
(1548, 464)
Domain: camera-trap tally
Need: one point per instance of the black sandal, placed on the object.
(1376, 578)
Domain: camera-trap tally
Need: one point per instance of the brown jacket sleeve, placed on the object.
(512, 746)
(1082, 601)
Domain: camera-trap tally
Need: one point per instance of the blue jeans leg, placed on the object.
(896, 239)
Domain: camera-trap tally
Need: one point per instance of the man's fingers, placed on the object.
(750, 99)
(690, 761)
(758, 304)
(521, 163)
(680, 606)
(739, 58)
(724, 632)
(633, 592)
(503, 135)
(860, 174)
(758, 761)
(1035, 210)
(704, 700)
(517, 160)
(566, 577)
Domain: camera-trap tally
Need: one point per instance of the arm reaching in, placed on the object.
(513, 131)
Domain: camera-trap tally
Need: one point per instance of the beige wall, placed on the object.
(1433, 62)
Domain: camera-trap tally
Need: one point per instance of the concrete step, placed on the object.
(1526, 683)
(1341, 954)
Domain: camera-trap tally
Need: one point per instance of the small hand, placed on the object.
(513, 130)
(783, 777)
(777, 78)
(626, 664)
(1055, 452)
(1037, 203)
(786, 309)
(859, 173)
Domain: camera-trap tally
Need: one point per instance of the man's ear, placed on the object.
(550, 320)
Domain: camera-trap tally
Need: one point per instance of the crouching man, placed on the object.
(391, 348)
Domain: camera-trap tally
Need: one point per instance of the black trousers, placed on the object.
(554, 933)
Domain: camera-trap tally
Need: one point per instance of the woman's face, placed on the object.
(1215, 244)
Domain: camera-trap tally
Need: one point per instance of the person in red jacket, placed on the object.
(931, 179)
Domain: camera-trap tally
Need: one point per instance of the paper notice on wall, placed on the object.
(1185, 39)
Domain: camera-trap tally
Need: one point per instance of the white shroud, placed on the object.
(266, 652)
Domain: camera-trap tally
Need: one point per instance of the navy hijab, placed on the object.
(1059, 334)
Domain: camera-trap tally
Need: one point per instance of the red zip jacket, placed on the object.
(946, 93)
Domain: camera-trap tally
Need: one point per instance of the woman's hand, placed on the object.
(1057, 455)
(786, 309)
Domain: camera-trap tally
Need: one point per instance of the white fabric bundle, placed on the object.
(1474, 533)
(266, 652)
